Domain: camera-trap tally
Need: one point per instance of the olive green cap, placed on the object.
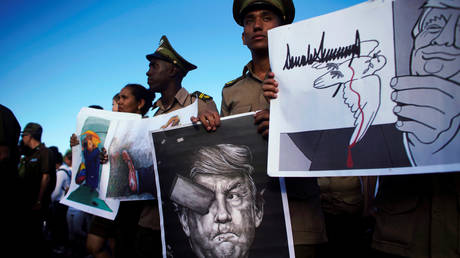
(167, 53)
(285, 8)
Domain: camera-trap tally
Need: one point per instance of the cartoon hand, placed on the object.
(173, 121)
(103, 157)
(363, 99)
(428, 111)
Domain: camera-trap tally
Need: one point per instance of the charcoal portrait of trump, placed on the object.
(218, 204)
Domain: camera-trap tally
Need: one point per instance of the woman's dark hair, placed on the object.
(116, 97)
(140, 92)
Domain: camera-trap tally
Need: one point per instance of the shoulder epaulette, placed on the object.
(202, 96)
(232, 82)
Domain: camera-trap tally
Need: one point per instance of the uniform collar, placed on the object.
(180, 97)
(248, 71)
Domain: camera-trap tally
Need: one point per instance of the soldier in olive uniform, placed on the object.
(245, 94)
(166, 71)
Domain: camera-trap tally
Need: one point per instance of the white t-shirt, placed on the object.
(62, 182)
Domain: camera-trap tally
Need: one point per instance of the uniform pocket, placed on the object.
(240, 109)
(395, 220)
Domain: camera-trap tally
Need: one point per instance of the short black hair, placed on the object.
(56, 154)
(96, 107)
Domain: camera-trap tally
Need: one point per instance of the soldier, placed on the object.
(38, 178)
(166, 71)
(245, 94)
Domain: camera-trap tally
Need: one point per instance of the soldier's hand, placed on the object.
(103, 157)
(74, 140)
(270, 86)
(428, 111)
(209, 119)
(262, 119)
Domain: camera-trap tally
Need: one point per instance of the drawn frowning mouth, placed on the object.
(222, 237)
(439, 55)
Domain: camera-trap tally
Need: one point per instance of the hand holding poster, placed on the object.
(352, 116)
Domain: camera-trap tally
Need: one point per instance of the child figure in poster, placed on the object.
(91, 154)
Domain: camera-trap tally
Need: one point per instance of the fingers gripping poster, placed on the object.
(375, 88)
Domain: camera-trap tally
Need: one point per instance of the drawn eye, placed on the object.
(433, 28)
(435, 24)
(232, 196)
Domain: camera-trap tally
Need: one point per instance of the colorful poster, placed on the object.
(87, 188)
(130, 153)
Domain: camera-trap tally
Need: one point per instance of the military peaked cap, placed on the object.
(167, 53)
(285, 8)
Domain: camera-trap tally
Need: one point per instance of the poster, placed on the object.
(87, 189)
(128, 175)
(372, 98)
(216, 195)
(130, 153)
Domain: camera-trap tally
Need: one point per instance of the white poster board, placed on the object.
(98, 188)
(340, 110)
(84, 193)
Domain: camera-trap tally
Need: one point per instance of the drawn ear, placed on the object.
(183, 218)
(243, 38)
(259, 208)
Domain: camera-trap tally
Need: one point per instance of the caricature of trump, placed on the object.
(219, 206)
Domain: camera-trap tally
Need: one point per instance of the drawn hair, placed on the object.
(93, 137)
(227, 160)
(427, 7)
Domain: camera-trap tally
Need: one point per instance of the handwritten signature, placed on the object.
(322, 55)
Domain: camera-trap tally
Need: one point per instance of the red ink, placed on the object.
(350, 157)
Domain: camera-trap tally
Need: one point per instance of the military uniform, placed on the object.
(183, 99)
(418, 215)
(245, 94)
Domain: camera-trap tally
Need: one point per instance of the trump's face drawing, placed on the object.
(437, 44)
(228, 228)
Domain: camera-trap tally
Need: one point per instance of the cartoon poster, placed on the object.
(87, 189)
(131, 174)
(375, 87)
(217, 200)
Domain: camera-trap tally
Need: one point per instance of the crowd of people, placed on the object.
(411, 216)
